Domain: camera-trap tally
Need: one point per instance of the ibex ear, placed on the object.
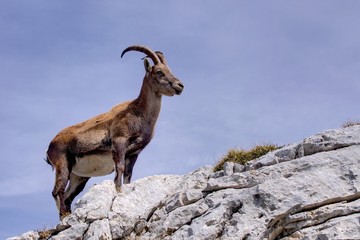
(147, 65)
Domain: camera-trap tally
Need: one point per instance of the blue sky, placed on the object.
(254, 72)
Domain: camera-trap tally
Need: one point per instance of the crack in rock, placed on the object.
(300, 217)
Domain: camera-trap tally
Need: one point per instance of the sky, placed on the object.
(254, 72)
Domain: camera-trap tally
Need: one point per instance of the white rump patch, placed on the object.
(94, 165)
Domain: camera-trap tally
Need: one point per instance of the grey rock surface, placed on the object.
(306, 190)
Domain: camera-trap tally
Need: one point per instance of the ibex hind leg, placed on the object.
(76, 185)
(61, 180)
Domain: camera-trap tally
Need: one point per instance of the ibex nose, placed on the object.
(178, 86)
(181, 85)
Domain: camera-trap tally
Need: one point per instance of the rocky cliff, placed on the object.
(307, 190)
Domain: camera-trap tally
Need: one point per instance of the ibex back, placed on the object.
(113, 140)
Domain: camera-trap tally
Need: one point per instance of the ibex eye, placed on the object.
(159, 73)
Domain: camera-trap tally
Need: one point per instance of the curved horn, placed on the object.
(145, 50)
(161, 56)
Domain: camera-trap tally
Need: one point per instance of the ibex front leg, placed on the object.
(118, 153)
(129, 165)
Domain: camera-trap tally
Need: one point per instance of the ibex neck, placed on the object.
(148, 102)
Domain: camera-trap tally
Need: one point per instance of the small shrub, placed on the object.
(350, 123)
(243, 156)
(45, 234)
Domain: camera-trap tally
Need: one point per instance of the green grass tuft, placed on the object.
(243, 156)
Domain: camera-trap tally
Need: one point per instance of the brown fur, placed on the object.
(122, 133)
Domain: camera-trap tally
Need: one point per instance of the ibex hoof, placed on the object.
(64, 215)
(118, 189)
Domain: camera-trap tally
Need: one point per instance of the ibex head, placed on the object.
(162, 80)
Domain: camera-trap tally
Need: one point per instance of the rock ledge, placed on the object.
(307, 190)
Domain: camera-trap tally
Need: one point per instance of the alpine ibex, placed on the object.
(112, 140)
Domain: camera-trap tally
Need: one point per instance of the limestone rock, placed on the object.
(31, 235)
(74, 232)
(306, 190)
(100, 229)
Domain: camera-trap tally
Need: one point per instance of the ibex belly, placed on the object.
(94, 165)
